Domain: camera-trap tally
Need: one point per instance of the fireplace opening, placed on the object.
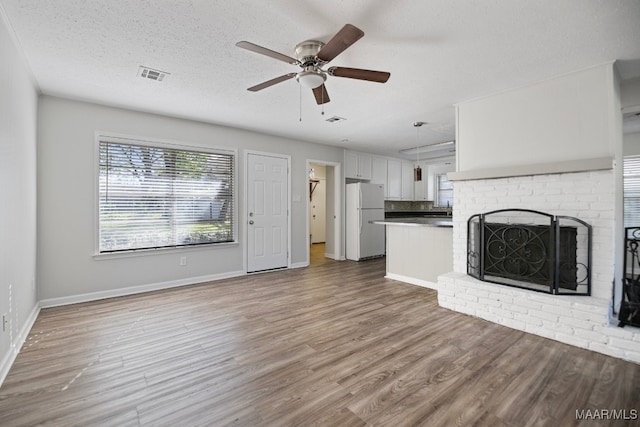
(531, 250)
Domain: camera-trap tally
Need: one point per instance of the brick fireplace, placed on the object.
(583, 321)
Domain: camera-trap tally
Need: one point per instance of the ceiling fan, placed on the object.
(311, 56)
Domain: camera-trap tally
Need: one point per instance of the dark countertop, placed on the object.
(417, 221)
(417, 214)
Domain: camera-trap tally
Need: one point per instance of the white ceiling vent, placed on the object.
(335, 119)
(150, 73)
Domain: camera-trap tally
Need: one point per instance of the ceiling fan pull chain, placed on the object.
(300, 101)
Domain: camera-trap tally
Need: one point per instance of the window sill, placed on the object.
(161, 251)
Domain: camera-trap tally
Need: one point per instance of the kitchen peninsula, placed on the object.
(419, 249)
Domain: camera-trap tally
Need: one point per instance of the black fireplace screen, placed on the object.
(530, 249)
(630, 306)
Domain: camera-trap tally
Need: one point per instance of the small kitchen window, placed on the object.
(444, 191)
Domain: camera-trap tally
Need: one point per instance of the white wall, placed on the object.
(560, 119)
(630, 93)
(67, 204)
(18, 108)
(632, 144)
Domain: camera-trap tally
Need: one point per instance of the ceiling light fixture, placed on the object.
(417, 171)
(311, 78)
(439, 146)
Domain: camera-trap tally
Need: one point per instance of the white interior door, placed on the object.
(267, 217)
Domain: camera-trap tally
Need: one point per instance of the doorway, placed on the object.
(323, 225)
(267, 212)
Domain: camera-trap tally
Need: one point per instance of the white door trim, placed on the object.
(245, 217)
(338, 186)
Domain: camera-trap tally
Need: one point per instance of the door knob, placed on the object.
(251, 222)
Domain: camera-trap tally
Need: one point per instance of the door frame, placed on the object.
(337, 203)
(245, 204)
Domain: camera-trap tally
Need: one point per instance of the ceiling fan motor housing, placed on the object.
(306, 52)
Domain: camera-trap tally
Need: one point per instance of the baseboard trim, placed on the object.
(15, 347)
(412, 281)
(94, 296)
(299, 265)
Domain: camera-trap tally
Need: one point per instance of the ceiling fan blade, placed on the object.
(344, 38)
(271, 82)
(360, 74)
(268, 52)
(321, 94)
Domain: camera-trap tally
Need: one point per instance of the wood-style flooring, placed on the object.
(334, 344)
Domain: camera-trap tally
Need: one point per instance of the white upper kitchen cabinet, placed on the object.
(393, 190)
(379, 172)
(358, 165)
(407, 180)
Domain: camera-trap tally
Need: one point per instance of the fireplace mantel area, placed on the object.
(529, 150)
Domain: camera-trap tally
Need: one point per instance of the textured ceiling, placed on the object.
(439, 52)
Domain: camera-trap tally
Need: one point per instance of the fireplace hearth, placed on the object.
(531, 250)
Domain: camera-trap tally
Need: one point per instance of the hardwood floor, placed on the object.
(335, 344)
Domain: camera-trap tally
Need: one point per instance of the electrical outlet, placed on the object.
(183, 261)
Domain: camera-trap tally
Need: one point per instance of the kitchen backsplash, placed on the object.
(410, 206)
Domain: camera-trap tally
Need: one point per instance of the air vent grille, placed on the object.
(335, 119)
(150, 73)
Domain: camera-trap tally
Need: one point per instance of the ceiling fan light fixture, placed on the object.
(311, 78)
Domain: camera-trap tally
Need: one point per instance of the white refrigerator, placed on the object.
(365, 203)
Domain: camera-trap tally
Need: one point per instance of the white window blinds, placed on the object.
(632, 191)
(156, 197)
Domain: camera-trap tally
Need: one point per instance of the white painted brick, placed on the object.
(466, 297)
(513, 323)
(560, 311)
(492, 302)
(632, 356)
(541, 331)
(529, 304)
(625, 344)
(558, 327)
(592, 306)
(572, 340)
(465, 310)
(576, 323)
(519, 309)
(528, 319)
(445, 290)
(446, 304)
(499, 311)
(475, 306)
(571, 194)
(543, 315)
(581, 315)
(504, 299)
(606, 349)
(478, 292)
(614, 331)
(591, 336)
(490, 317)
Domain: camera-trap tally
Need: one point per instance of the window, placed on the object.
(631, 171)
(444, 191)
(159, 196)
